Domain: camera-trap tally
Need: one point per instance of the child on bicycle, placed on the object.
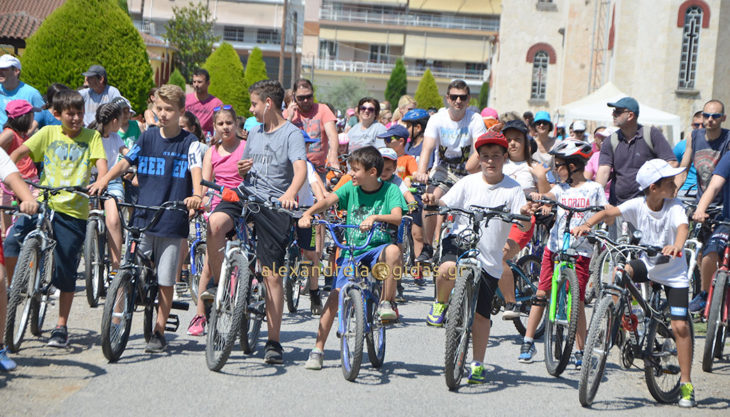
(488, 188)
(573, 190)
(368, 200)
(168, 169)
(663, 221)
(68, 152)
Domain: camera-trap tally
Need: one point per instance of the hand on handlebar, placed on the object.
(672, 250)
(288, 202)
(305, 222)
(700, 216)
(98, 187)
(193, 202)
(429, 199)
(420, 177)
(580, 230)
(367, 224)
(29, 207)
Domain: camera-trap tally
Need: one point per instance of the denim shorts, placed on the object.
(364, 262)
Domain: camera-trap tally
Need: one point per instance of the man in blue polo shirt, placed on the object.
(11, 88)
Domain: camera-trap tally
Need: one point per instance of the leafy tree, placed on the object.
(190, 31)
(255, 67)
(123, 5)
(427, 93)
(177, 79)
(484, 95)
(81, 33)
(397, 84)
(344, 93)
(227, 81)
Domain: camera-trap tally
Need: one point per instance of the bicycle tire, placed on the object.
(114, 336)
(559, 340)
(715, 329)
(663, 382)
(530, 266)
(375, 338)
(38, 315)
(353, 316)
(22, 291)
(225, 321)
(251, 323)
(595, 268)
(292, 289)
(150, 318)
(598, 344)
(408, 256)
(457, 329)
(91, 262)
(199, 260)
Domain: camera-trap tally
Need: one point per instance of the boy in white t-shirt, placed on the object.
(574, 190)
(488, 188)
(663, 222)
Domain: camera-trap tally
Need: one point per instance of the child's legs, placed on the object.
(445, 281)
(543, 287)
(327, 318)
(417, 234)
(679, 305)
(482, 324)
(219, 224)
(507, 281)
(313, 270)
(114, 230)
(166, 251)
(307, 241)
(391, 256)
(202, 285)
(429, 223)
(13, 242)
(70, 234)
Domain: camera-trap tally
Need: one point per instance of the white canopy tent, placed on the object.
(593, 107)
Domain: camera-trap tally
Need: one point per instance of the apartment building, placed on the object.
(363, 39)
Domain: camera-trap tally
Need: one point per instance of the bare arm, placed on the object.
(300, 175)
(472, 164)
(21, 152)
(102, 165)
(28, 204)
(686, 161)
(428, 144)
(716, 184)
(603, 174)
(103, 179)
(6, 139)
(306, 220)
(334, 144)
(194, 201)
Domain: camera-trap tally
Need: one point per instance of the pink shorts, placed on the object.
(582, 265)
(520, 237)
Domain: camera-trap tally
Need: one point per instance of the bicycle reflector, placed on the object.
(630, 323)
(229, 195)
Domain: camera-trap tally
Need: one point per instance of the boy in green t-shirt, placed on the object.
(367, 200)
(68, 153)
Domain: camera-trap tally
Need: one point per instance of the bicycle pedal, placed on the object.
(173, 323)
(258, 307)
(180, 305)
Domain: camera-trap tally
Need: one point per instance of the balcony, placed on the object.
(364, 67)
(396, 17)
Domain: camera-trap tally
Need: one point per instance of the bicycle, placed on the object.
(356, 309)
(600, 268)
(31, 286)
(97, 264)
(134, 286)
(462, 303)
(716, 311)
(295, 278)
(197, 248)
(526, 272)
(655, 345)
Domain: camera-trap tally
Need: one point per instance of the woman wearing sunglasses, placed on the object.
(365, 132)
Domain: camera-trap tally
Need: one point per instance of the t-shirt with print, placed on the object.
(163, 172)
(203, 110)
(520, 172)
(586, 194)
(454, 139)
(112, 144)
(360, 205)
(67, 162)
(406, 166)
(723, 170)
(273, 154)
(131, 135)
(659, 228)
(305, 197)
(360, 138)
(93, 100)
(313, 123)
(7, 166)
(22, 91)
(474, 190)
(705, 156)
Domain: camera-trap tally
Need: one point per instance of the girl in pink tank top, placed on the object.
(220, 162)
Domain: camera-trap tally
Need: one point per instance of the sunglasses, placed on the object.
(223, 107)
(560, 165)
(617, 112)
(392, 138)
(463, 97)
(542, 123)
(365, 108)
(304, 97)
(712, 115)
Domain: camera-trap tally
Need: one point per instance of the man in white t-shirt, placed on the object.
(452, 132)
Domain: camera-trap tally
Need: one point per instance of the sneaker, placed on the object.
(386, 311)
(425, 255)
(316, 358)
(687, 395)
(511, 312)
(197, 326)
(578, 356)
(698, 303)
(181, 288)
(59, 337)
(437, 315)
(476, 373)
(399, 297)
(419, 281)
(527, 352)
(6, 364)
(315, 303)
(274, 353)
(157, 343)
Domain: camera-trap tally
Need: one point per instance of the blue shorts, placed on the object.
(116, 189)
(365, 263)
(717, 241)
(69, 232)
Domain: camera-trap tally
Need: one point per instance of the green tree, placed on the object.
(123, 5)
(427, 93)
(484, 95)
(255, 67)
(397, 84)
(344, 93)
(81, 33)
(177, 79)
(226, 78)
(190, 31)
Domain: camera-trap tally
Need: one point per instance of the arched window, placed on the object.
(690, 47)
(539, 75)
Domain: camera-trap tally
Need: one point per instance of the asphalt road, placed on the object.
(78, 381)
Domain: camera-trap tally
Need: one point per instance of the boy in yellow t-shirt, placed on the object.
(68, 152)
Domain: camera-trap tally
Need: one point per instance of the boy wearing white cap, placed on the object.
(662, 220)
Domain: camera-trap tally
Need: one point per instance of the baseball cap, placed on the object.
(17, 108)
(350, 112)
(515, 124)
(95, 71)
(491, 138)
(7, 61)
(579, 125)
(606, 132)
(628, 103)
(395, 130)
(654, 170)
(388, 153)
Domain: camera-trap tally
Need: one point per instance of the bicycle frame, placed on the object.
(199, 238)
(725, 267)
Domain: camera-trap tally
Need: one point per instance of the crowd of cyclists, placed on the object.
(375, 165)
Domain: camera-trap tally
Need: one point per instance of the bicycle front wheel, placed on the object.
(93, 264)
(661, 364)
(21, 299)
(599, 263)
(116, 320)
(375, 338)
(715, 338)
(291, 280)
(351, 340)
(598, 344)
(458, 329)
(560, 333)
(526, 288)
(253, 315)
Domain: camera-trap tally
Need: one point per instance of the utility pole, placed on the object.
(294, 66)
(283, 42)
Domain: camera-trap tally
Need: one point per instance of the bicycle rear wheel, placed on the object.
(661, 364)
(375, 338)
(352, 338)
(292, 289)
(715, 338)
(93, 263)
(598, 344)
(21, 295)
(253, 315)
(526, 287)
(116, 320)
(560, 334)
(39, 304)
(597, 270)
(198, 265)
(458, 331)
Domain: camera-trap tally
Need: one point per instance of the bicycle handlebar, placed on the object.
(332, 226)
(168, 205)
(547, 201)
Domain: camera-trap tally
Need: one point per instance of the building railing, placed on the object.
(386, 68)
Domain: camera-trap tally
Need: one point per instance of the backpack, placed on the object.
(645, 133)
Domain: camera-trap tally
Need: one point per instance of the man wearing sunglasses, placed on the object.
(705, 147)
(201, 103)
